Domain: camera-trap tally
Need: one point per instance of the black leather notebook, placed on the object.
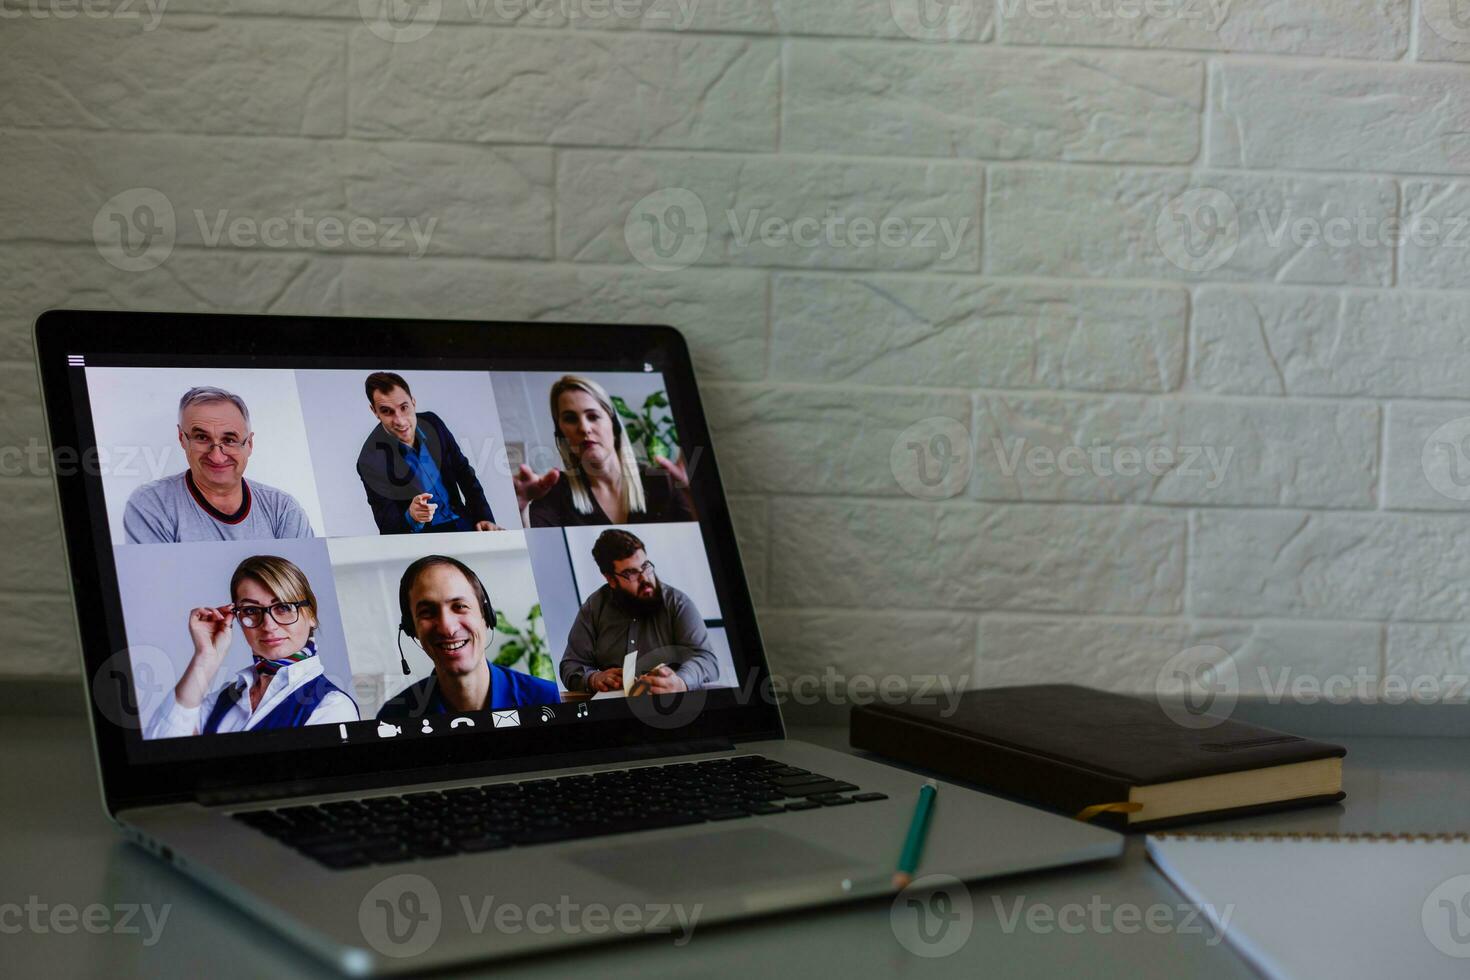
(1122, 760)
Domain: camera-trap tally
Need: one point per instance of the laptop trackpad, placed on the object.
(723, 859)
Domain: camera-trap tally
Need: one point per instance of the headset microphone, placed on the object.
(401, 657)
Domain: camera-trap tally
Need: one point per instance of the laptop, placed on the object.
(428, 642)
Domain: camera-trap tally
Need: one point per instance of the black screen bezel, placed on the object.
(316, 342)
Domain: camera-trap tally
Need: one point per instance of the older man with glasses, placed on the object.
(635, 613)
(212, 500)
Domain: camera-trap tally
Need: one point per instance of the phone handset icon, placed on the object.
(462, 721)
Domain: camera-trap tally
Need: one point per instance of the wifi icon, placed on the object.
(547, 714)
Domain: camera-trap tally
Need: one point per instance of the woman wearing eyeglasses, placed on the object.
(283, 687)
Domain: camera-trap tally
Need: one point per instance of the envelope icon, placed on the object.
(506, 719)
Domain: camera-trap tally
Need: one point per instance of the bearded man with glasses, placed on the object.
(283, 687)
(636, 613)
(212, 500)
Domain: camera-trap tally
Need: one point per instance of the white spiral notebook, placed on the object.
(1304, 906)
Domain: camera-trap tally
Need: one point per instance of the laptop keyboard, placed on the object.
(389, 829)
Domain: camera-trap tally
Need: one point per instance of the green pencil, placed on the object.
(913, 844)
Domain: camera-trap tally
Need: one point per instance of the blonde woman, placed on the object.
(600, 482)
(283, 687)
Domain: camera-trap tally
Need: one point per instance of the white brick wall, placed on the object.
(994, 218)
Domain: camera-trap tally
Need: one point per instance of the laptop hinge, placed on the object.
(234, 795)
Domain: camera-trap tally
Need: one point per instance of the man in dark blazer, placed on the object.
(416, 477)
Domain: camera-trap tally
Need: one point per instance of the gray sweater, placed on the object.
(605, 632)
(167, 510)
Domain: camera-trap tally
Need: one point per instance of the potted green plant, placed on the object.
(651, 429)
(527, 644)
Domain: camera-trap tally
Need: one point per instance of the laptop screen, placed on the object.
(306, 554)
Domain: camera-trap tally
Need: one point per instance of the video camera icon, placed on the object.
(386, 730)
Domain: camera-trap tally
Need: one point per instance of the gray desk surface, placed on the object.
(57, 848)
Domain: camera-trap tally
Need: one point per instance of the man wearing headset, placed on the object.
(444, 606)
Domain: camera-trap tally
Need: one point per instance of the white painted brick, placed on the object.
(720, 311)
(40, 636)
(488, 202)
(1329, 565)
(544, 87)
(22, 429)
(1349, 28)
(957, 100)
(1166, 450)
(490, 13)
(1436, 230)
(1429, 663)
(31, 529)
(959, 333)
(1301, 342)
(1405, 120)
(1444, 31)
(968, 20)
(598, 191)
(183, 75)
(1270, 658)
(1105, 222)
(1428, 462)
(752, 536)
(817, 440)
(807, 646)
(966, 556)
(44, 277)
